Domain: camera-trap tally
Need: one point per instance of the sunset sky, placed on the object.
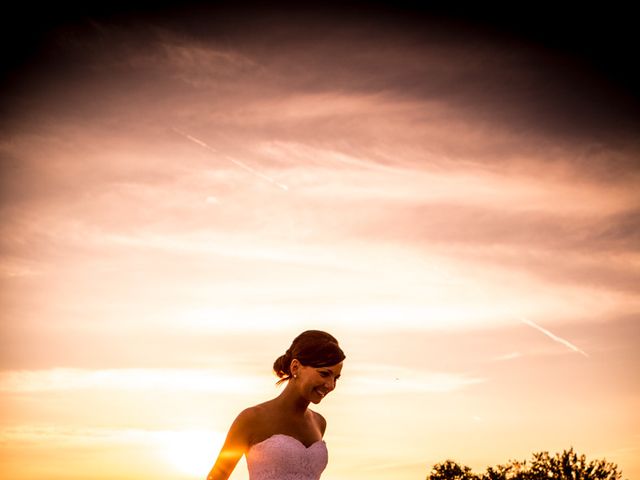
(184, 190)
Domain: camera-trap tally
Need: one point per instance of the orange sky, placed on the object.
(181, 196)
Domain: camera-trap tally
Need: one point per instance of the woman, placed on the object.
(282, 438)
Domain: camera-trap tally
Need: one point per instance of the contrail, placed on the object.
(554, 337)
(231, 159)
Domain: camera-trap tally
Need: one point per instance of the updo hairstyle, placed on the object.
(312, 348)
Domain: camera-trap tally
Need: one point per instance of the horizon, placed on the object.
(187, 188)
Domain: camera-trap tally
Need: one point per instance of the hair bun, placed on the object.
(282, 365)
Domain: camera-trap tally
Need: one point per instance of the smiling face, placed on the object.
(315, 383)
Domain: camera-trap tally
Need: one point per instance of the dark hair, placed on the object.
(312, 348)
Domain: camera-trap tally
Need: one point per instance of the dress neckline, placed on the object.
(288, 436)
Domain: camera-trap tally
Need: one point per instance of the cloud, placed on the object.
(127, 379)
(67, 436)
(240, 164)
(393, 379)
(202, 66)
(425, 186)
(61, 435)
(554, 337)
(507, 356)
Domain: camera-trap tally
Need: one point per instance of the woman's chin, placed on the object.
(316, 397)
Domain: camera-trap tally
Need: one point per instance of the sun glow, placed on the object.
(192, 452)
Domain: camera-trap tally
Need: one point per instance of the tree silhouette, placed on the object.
(450, 470)
(567, 465)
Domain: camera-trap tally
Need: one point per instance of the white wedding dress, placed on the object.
(282, 457)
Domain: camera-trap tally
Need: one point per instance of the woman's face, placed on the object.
(315, 383)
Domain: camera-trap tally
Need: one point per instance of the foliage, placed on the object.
(450, 470)
(567, 465)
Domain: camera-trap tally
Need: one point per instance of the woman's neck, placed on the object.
(291, 400)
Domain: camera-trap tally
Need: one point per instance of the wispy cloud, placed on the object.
(235, 161)
(64, 435)
(507, 356)
(390, 467)
(394, 379)
(128, 379)
(554, 337)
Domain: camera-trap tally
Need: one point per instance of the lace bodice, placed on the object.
(282, 457)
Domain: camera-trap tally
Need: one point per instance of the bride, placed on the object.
(282, 438)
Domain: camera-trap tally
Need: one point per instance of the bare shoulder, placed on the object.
(253, 420)
(256, 412)
(320, 421)
(245, 422)
(248, 417)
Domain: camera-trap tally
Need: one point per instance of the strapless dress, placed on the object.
(282, 457)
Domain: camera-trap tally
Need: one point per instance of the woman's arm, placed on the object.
(235, 445)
